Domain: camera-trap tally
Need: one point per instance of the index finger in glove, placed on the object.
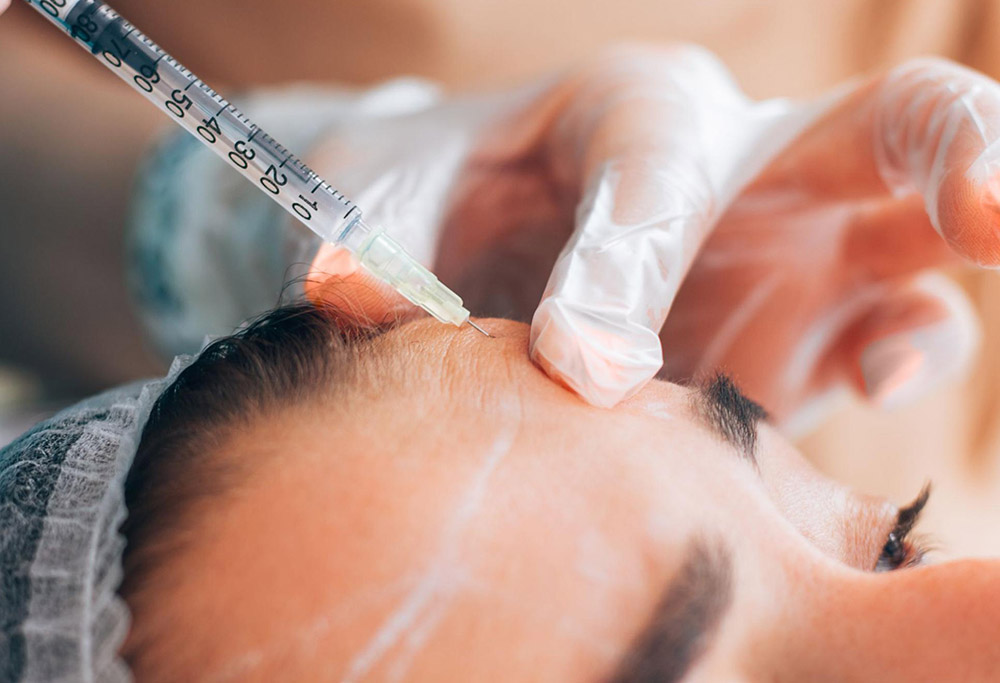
(637, 135)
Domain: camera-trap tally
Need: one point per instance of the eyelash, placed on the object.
(900, 551)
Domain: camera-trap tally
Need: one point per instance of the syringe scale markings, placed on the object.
(230, 134)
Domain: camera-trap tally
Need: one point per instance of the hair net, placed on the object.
(61, 504)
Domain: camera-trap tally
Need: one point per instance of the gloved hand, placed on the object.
(4, 4)
(798, 230)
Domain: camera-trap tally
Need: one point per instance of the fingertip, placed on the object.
(590, 355)
(968, 216)
(922, 337)
(330, 262)
(902, 367)
(337, 281)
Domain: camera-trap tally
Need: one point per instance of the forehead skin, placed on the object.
(467, 519)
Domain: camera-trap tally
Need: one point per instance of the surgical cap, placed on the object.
(62, 502)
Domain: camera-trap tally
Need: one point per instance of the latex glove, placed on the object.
(811, 220)
(4, 4)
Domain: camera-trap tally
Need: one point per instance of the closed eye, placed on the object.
(900, 551)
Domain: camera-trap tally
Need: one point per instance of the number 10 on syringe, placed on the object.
(249, 150)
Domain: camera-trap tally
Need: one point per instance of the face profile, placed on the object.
(429, 506)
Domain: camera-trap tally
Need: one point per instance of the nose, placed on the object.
(936, 623)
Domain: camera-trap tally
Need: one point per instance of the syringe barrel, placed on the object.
(245, 147)
(202, 112)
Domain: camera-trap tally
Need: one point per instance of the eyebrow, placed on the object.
(730, 414)
(685, 618)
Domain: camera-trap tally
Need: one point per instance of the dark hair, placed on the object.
(289, 355)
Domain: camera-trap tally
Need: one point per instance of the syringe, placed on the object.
(194, 106)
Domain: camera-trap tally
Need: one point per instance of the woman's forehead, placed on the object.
(552, 532)
(459, 362)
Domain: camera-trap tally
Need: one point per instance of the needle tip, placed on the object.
(478, 328)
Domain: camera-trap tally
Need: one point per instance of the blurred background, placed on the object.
(71, 137)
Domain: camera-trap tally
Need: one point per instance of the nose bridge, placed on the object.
(937, 623)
